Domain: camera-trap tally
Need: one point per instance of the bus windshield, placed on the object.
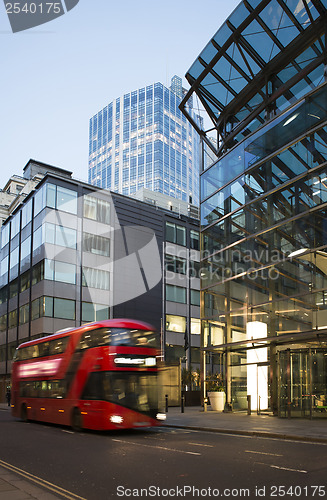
(118, 337)
(137, 391)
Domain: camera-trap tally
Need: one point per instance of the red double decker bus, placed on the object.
(100, 376)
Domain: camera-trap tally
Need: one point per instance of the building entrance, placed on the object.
(302, 384)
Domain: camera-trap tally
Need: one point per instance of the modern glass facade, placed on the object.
(263, 207)
(142, 140)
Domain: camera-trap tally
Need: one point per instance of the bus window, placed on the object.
(58, 346)
(44, 349)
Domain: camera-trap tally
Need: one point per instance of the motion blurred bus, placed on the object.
(100, 376)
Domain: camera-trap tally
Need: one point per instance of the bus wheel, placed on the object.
(76, 420)
(23, 413)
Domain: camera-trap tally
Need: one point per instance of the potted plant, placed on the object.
(216, 392)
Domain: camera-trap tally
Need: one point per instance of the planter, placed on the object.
(217, 400)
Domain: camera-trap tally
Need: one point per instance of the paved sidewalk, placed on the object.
(14, 486)
(298, 429)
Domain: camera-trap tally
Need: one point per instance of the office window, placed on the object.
(175, 234)
(176, 294)
(13, 319)
(55, 235)
(96, 209)
(64, 308)
(66, 200)
(96, 244)
(96, 278)
(65, 237)
(65, 273)
(175, 323)
(175, 264)
(57, 197)
(14, 257)
(3, 295)
(35, 309)
(170, 232)
(4, 235)
(195, 297)
(38, 272)
(194, 240)
(27, 213)
(3, 322)
(195, 326)
(4, 266)
(53, 308)
(15, 225)
(39, 200)
(13, 288)
(25, 251)
(59, 271)
(24, 312)
(94, 312)
(46, 306)
(51, 190)
(25, 281)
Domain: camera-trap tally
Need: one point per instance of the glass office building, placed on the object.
(142, 140)
(71, 253)
(262, 80)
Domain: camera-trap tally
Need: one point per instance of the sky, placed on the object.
(57, 75)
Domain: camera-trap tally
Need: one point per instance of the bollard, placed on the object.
(248, 397)
(205, 403)
(166, 401)
(182, 403)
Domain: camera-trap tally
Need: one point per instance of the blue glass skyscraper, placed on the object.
(142, 140)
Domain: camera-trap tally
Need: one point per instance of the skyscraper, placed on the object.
(142, 140)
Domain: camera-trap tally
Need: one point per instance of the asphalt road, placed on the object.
(148, 463)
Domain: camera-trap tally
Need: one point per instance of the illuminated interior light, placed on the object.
(43, 409)
(29, 407)
(116, 419)
(61, 411)
(161, 416)
(257, 374)
(83, 412)
(291, 119)
(298, 252)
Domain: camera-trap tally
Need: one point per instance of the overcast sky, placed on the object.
(56, 76)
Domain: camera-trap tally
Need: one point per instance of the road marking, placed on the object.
(263, 453)
(201, 444)
(156, 447)
(42, 482)
(282, 468)
(68, 432)
(286, 468)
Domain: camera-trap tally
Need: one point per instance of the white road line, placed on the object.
(263, 453)
(286, 468)
(201, 444)
(68, 432)
(156, 447)
(282, 468)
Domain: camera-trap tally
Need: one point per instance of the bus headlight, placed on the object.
(116, 419)
(161, 416)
